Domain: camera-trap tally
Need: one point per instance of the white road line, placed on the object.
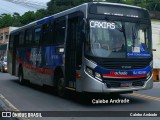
(5, 105)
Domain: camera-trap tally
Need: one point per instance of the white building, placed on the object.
(156, 47)
(4, 34)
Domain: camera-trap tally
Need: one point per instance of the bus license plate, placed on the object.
(126, 84)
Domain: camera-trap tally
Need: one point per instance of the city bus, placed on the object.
(96, 47)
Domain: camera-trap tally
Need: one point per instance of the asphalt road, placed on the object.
(35, 98)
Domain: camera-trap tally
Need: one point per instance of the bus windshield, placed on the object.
(116, 39)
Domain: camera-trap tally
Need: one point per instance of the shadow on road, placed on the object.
(88, 99)
(98, 99)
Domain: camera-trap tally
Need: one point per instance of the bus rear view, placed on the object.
(118, 50)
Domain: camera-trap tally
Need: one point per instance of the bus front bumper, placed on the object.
(91, 84)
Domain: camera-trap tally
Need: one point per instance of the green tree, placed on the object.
(5, 20)
(55, 6)
(148, 4)
(51, 7)
(40, 14)
(16, 20)
(27, 17)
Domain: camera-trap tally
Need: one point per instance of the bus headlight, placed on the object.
(89, 71)
(97, 75)
(149, 75)
(151, 64)
(93, 73)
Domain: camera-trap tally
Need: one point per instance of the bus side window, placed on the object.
(37, 36)
(59, 31)
(48, 34)
(28, 37)
(21, 39)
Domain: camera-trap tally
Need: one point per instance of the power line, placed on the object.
(30, 3)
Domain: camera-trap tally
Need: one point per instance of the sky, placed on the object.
(21, 6)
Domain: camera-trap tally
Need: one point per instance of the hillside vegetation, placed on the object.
(55, 6)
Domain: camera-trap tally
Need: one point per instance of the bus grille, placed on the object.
(117, 83)
(119, 65)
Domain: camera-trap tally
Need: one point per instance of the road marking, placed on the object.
(145, 96)
(7, 106)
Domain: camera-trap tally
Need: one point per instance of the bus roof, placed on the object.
(118, 4)
(82, 7)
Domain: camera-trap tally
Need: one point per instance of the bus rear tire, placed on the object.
(20, 76)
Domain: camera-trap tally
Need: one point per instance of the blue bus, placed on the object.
(96, 47)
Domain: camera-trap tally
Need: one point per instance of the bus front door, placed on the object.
(70, 53)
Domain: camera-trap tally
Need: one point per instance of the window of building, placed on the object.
(1, 36)
(6, 35)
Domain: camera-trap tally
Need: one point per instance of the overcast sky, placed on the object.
(21, 6)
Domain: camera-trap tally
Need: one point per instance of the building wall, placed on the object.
(156, 47)
(156, 43)
(4, 34)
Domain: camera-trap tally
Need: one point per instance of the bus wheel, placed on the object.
(20, 76)
(61, 88)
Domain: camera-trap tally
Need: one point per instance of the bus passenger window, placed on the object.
(47, 38)
(21, 39)
(28, 37)
(37, 36)
(59, 31)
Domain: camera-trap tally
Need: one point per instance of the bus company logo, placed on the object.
(139, 72)
(35, 56)
(104, 25)
(118, 73)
